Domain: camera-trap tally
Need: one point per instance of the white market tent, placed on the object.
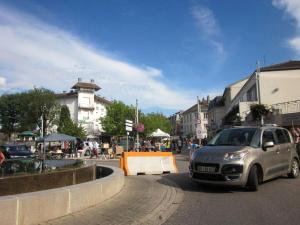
(159, 133)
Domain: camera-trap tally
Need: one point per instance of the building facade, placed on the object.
(276, 86)
(86, 108)
(176, 124)
(216, 112)
(190, 120)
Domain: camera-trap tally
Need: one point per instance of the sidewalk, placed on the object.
(143, 200)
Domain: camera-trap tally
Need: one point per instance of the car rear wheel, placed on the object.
(252, 183)
(294, 169)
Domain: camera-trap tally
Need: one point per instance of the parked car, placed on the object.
(13, 151)
(245, 156)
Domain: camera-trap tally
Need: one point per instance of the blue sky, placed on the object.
(165, 53)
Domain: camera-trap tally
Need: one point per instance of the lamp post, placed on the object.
(43, 108)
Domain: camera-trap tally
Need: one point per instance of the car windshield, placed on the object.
(233, 137)
(17, 148)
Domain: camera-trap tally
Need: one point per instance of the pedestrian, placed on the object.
(2, 158)
(179, 145)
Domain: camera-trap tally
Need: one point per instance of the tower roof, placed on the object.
(85, 85)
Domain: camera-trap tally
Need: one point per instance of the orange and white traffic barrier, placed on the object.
(135, 163)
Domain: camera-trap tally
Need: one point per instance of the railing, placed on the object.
(287, 107)
(86, 106)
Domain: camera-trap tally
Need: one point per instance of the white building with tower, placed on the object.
(86, 108)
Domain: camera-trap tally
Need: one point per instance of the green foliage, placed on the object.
(116, 114)
(40, 102)
(67, 126)
(11, 111)
(152, 121)
(259, 110)
(22, 111)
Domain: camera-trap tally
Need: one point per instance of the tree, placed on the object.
(40, 102)
(259, 110)
(11, 113)
(116, 114)
(67, 126)
(152, 121)
(23, 111)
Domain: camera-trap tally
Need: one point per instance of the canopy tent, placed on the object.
(57, 137)
(27, 133)
(159, 133)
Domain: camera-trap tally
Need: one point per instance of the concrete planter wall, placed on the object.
(41, 206)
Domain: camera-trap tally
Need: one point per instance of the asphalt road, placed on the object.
(173, 199)
(277, 202)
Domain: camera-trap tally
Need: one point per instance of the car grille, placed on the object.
(208, 176)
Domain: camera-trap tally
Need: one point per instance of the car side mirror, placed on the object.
(268, 144)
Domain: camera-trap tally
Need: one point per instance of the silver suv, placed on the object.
(245, 156)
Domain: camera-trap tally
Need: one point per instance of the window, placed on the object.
(251, 94)
(268, 136)
(281, 136)
(288, 137)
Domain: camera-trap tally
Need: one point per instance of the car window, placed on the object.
(281, 137)
(287, 136)
(17, 148)
(234, 137)
(268, 136)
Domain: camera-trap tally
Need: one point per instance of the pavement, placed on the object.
(148, 200)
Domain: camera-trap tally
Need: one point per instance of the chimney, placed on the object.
(92, 81)
(79, 79)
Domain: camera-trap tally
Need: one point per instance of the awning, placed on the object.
(159, 133)
(57, 137)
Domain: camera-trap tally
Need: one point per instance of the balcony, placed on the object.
(86, 106)
(287, 107)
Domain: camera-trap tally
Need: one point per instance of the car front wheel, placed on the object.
(252, 183)
(294, 169)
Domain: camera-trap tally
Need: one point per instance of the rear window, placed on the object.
(282, 136)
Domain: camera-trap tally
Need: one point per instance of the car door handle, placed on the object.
(277, 152)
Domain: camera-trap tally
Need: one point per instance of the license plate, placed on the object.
(206, 169)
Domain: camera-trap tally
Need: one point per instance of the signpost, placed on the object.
(128, 128)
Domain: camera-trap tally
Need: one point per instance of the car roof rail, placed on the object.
(270, 125)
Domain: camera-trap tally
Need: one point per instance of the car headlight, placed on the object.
(235, 155)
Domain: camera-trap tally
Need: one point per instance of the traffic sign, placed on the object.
(129, 121)
(128, 128)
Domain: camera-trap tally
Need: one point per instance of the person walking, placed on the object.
(2, 158)
(179, 145)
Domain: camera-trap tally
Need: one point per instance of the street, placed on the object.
(174, 199)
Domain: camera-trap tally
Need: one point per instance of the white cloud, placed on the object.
(2, 82)
(209, 28)
(292, 8)
(33, 53)
(205, 20)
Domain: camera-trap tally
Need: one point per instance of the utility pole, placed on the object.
(199, 121)
(136, 122)
(258, 90)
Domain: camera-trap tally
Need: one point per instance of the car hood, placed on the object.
(216, 153)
